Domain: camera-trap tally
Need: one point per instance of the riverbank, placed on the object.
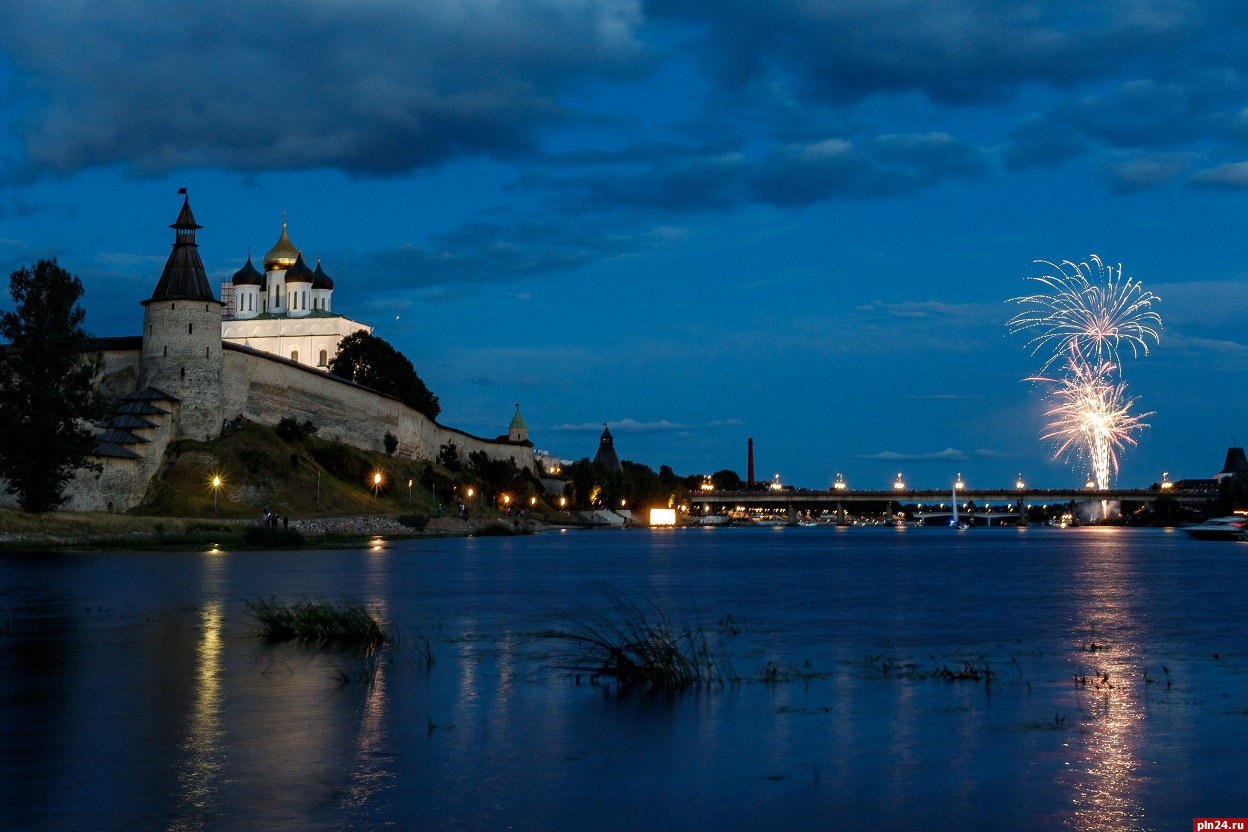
(87, 530)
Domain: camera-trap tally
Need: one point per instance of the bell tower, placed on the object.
(182, 336)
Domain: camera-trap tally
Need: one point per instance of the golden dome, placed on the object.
(283, 254)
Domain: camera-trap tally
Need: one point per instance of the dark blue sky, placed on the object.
(698, 221)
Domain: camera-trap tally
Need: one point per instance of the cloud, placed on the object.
(1232, 176)
(493, 252)
(948, 454)
(634, 426)
(370, 88)
(940, 397)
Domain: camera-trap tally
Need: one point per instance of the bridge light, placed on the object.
(1020, 485)
(1166, 485)
(959, 485)
(839, 485)
(900, 485)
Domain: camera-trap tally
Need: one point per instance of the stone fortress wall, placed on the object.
(265, 388)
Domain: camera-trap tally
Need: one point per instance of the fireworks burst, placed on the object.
(1089, 315)
(1098, 316)
(1091, 415)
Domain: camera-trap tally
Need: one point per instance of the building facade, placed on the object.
(285, 310)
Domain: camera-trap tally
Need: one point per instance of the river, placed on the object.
(1090, 678)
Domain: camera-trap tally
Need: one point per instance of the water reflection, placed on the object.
(1103, 772)
(200, 770)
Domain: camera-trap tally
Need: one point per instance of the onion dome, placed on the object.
(247, 275)
(320, 280)
(283, 254)
(299, 272)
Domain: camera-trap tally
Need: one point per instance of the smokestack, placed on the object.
(750, 476)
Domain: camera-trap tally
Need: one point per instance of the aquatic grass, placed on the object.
(635, 643)
(316, 622)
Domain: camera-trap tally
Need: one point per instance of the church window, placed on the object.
(294, 355)
(324, 358)
(305, 298)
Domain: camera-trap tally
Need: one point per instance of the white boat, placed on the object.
(1234, 527)
(954, 521)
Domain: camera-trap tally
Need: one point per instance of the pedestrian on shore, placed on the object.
(286, 522)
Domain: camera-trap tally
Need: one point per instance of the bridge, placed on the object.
(791, 501)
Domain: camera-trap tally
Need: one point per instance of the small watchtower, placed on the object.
(517, 431)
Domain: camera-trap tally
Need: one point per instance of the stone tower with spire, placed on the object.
(182, 336)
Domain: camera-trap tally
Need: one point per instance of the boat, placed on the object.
(954, 521)
(1234, 527)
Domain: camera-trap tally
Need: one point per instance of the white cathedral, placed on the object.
(287, 310)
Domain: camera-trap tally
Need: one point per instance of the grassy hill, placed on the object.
(259, 469)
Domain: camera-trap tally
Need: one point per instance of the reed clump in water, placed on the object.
(636, 644)
(316, 622)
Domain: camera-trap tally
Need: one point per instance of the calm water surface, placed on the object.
(133, 696)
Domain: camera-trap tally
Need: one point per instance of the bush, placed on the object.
(292, 430)
(342, 461)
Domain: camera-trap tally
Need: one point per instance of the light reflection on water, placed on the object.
(162, 711)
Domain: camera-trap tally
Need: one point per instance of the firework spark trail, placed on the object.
(1097, 316)
(1091, 415)
(1090, 315)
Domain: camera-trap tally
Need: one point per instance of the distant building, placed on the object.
(287, 310)
(1236, 463)
(606, 456)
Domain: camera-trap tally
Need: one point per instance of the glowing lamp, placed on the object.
(958, 484)
(900, 484)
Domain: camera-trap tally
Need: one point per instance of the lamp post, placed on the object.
(216, 488)
(376, 485)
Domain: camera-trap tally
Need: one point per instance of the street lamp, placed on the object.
(563, 501)
(376, 485)
(216, 488)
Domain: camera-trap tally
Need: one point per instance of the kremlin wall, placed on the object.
(183, 377)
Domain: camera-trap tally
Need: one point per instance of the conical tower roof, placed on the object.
(606, 457)
(184, 277)
(517, 421)
(1236, 462)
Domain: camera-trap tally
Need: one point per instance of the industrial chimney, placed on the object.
(750, 475)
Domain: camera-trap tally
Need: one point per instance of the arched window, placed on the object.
(324, 359)
(294, 355)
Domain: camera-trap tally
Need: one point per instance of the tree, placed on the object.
(372, 362)
(48, 393)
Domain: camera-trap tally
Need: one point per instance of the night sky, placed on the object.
(697, 221)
